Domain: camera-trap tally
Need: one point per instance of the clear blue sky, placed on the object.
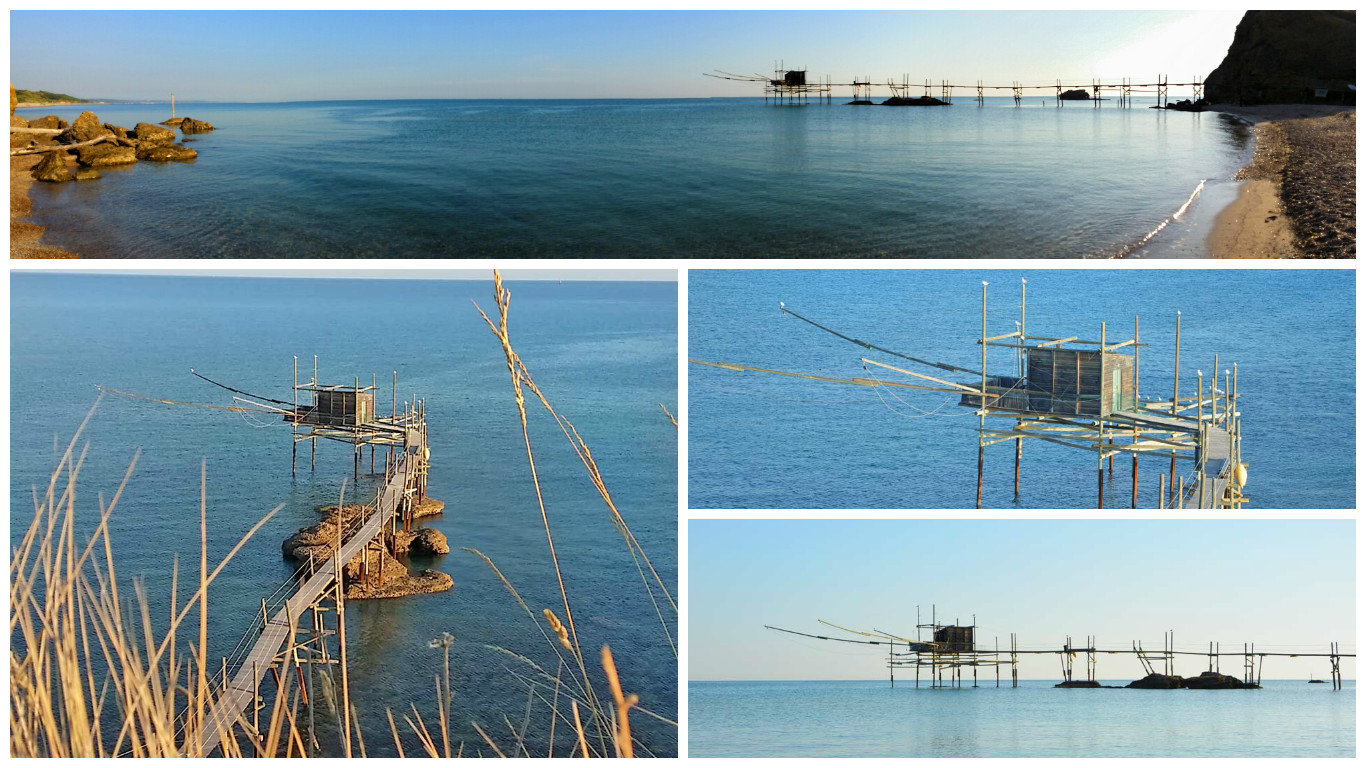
(315, 55)
(1275, 583)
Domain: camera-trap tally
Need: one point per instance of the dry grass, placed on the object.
(90, 677)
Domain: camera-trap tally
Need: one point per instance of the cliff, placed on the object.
(1280, 57)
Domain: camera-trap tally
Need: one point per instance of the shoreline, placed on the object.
(1291, 139)
(25, 237)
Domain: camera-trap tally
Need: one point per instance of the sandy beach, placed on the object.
(24, 235)
(1298, 199)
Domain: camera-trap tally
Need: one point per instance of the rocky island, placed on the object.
(388, 576)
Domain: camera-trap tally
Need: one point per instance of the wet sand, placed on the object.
(25, 236)
(1298, 199)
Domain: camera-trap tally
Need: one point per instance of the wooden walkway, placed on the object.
(239, 695)
(1215, 454)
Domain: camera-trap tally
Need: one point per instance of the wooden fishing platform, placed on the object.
(1082, 394)
(790, 86)
(945, 650)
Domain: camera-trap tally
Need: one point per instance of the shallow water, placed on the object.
(870, 719)
(763, 441)
(604, 353)
(654, 178)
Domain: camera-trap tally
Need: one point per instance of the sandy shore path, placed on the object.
(1299, 195)
(24, 235)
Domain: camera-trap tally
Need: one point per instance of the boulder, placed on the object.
(1076, 94)
(101, 155)
(47, 121)
(173, 121)
(16, 121)
(431, 542)
(189, 125)
(118, 130)
(87, 174)
(13, 99)
(149, 135)
(428, 507)
(52, 168)
(1079, 684)
(86, 127)
(160, 153)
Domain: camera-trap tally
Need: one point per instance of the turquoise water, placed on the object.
(762, 441)
(604, 353)
(869, 719)
(655, 178)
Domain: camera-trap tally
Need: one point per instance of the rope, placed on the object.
(233, 408)
(238, 391)
(866, 345)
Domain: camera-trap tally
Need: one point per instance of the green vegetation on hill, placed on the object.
(45, 97)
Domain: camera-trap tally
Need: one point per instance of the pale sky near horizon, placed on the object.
(625, 275)
(324, 55)
(1278, 583)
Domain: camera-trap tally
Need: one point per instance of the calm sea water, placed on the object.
(763, 441)
(656, 178)
(869, 719)
(604, 353)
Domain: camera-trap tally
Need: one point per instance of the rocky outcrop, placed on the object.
(47, 121)
(1280, 57)
(190, 125)
(101, 155)
(1217, 681)
(52, 168)
(382, 574)
(16, 121)
(149, 135)
(1157, 681)
(428, 507)
(117, 130)
(1079, 684)
(87, 174)
(1076, 94)
(160, 153)
(918, 101)
(86, 128)
(173, 121)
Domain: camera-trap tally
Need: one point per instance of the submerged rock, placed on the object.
(190, 125)
(1076, 94)
(52, 168)
(160, 153)
(1079, 684)
(173, 121)
(87, 174)
(918, 101)
(101, 155)
(148, 134)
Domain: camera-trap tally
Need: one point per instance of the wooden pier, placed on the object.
(1082, 394)
(271, 644)
(945, 651)
(796, 86)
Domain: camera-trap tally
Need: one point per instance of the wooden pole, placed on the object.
(982, 414)
(1133, 503)
(1176, 385)
(1162, 491)
(294, 447)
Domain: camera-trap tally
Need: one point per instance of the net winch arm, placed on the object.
(240, 392)
(866, 345)
(836, 639)
(862, 382)
(875, 633)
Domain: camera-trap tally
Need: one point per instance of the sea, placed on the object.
(604, 353)
(1287, 718)
(762, 441)
(664, 178)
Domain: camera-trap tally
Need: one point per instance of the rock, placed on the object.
(62, 124)
(1285, 56)
(126, 142)
(1076, 94)
(160, 153)
(430, 541)
(101, 155)
(13, 99)
(173, 121)
(1217, 681)
(148, 134)
(86, 127)
(87, 174)
(384, 576)
(428, 507)
(1157, 681)
(918, 101)
(52, 168)
(118, 130)
(16, 121)
(47, 121)
(1079, 684)
(189, 125)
